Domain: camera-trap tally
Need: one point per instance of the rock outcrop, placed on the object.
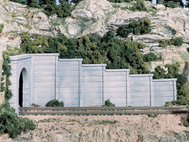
(97, 17)
(101, 134)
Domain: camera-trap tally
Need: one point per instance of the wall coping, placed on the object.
(94, 65)
(138, 75)
(164, 80)
(20, 57)
(118, 70)
(25, 56)
(66, 60)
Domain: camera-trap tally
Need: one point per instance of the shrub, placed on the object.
(124, 30)
(108, 104)
(1, 27)
(140, 5)
(26, 124)
(9, 122)
(152, 115)
(119, 1)
(55, 103)
(175, 41)
(146, 26)
(169, 104)
(178, 41)
(186, 123)
(171, 4)
(149, 57)
(135, 27)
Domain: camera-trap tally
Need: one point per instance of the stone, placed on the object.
(21, 20)
(159, 7)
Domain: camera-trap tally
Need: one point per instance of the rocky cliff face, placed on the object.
(96, 17)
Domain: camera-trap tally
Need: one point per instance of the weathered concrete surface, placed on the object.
(77, 85)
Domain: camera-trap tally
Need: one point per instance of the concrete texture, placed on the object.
(45, 77)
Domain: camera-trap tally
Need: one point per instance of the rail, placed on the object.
(100, 110)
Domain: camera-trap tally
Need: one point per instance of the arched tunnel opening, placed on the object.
(21, 90)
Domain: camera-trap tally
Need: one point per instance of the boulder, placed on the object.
(21, 20)
(159, 7)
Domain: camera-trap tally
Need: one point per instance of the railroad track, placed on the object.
(100, 110)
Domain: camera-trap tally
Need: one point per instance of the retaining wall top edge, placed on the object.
(163, 80)
(66, 60)
(94, 65)
(24, 56)
(138, 75)
(117, 70)
(20, 57)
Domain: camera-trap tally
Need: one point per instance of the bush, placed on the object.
(135, 27)
(124, 31)
(108, 104)
(119, 1)
(169, 104)
(140, 5)
(149, 57)
(55, 103)
(1, 27)
(152, 115)
(178, 41)
(26, 124)
(9, 122)
(186, 123)
(171, 4)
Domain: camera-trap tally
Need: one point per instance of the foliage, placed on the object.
(149, 57)
(186, 123)
(135, 27)
(108, 104)
(172, 3)
(119, 1)
(168, 104)
(55, 103)
(108, 122)
(9, 122)
(152, 115)
(172, 72)
(175, 41)
(62, 10)
(140, 5)
(124, 31)
(1, 27)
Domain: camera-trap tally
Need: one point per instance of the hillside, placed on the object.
(97, 18)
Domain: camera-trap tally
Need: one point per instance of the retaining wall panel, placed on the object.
(115, 74)
(68, 90)
(163, 94)
(91, 96)
(91, 79)
(115, 90)
(162, 83)
(114, 95)
(162, 88)
(138, 89)
(45, 63)
(139, 94)
(138, 83)
(91, 90)
(115, 78)
(71, 95)
(91, 85)
(114, 84)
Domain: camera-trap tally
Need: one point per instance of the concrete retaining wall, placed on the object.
(46, 77)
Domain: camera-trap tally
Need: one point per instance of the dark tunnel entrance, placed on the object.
(21, 90)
